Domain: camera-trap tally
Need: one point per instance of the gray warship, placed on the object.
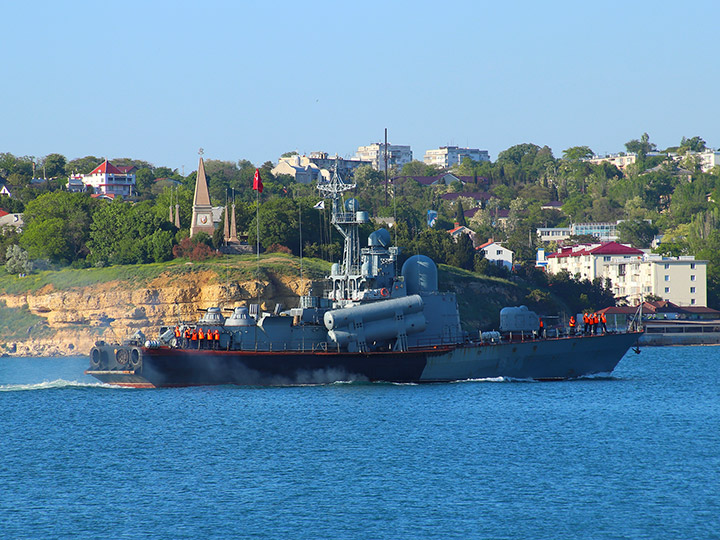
(371, 323)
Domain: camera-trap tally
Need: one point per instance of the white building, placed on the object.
(707, 159)
(621, 160)
(105, 179)
(305, 169)
(553, 234)
(397, 155)
(447, 156)
(603, 231)
(497, 254)
(634, 273)
(300, 168)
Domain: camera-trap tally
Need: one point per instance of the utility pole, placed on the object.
(386, 167)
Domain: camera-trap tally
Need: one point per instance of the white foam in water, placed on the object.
(47, 385)
(486, 379)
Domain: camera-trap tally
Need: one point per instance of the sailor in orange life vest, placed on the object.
(201, 337)
(586, 323)
(571, 324)
(603, 322)
(541, 332)
(595, 323)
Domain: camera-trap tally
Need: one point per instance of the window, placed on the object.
(667, 266)
(692, 290)
(692, 301)
(667, 289)
(667, 277)
(606, 258)
(692, 266)
(498, 252)
(692, 277)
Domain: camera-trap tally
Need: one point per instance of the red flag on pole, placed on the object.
(257, 181)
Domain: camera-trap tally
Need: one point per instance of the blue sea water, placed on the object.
(635, 455)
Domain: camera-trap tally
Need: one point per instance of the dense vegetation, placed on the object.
(656, 194)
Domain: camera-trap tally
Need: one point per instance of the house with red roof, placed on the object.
(456, 231)
(496, 253)
(105, 179)
(635, 274)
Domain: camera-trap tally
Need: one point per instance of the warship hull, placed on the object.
(547, 359)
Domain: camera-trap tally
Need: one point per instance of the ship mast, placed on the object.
(344, 218)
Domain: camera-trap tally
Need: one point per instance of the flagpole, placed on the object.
(301, 245)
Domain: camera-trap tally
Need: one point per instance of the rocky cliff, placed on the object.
(68, 322)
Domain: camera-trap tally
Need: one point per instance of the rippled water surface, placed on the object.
(636, 455)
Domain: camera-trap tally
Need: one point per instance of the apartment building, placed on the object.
(447, 156)
(397, 155)
(635, 273)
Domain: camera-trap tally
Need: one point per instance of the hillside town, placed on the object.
(591, 218)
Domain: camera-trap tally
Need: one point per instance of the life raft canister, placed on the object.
(384, 292)
(135, 358)
(95, 357)
(122, 356)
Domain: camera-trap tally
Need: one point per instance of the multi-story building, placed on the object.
(105, 179)
(397, 155)
(707, 159)
(345, 167)
(447, 156)
(553, 234)
(603, 231)
(300, 168)
(634, 273)
(621, 160)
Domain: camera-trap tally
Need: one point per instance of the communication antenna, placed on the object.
(386, 167)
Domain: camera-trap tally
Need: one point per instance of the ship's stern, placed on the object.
(118, 364)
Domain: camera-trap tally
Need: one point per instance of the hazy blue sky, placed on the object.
(158, 80)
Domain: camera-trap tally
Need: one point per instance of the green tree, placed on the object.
(54, 165)
(418, 168)
(17, 261)
(460, 214)
(694, 144)
(57, 226)
(641, 147)
(637, 232)
(129, 234)
(577, 153)
(82, 165)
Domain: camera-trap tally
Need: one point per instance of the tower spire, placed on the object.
(202, 209)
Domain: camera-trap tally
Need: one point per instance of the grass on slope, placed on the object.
(233, 267)
(20, 323)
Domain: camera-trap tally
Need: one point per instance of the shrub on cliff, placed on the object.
(17, 261)
(194, 249)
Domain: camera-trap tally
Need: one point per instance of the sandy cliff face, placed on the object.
(75, 319)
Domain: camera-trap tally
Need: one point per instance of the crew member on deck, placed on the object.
(571, 323)
(541, 333)
(201, 337)
(586, 323)
(603, 322)
(595, 323)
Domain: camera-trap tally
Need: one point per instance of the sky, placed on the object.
(157, 81)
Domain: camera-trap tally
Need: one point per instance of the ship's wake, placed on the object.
(52, 385)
